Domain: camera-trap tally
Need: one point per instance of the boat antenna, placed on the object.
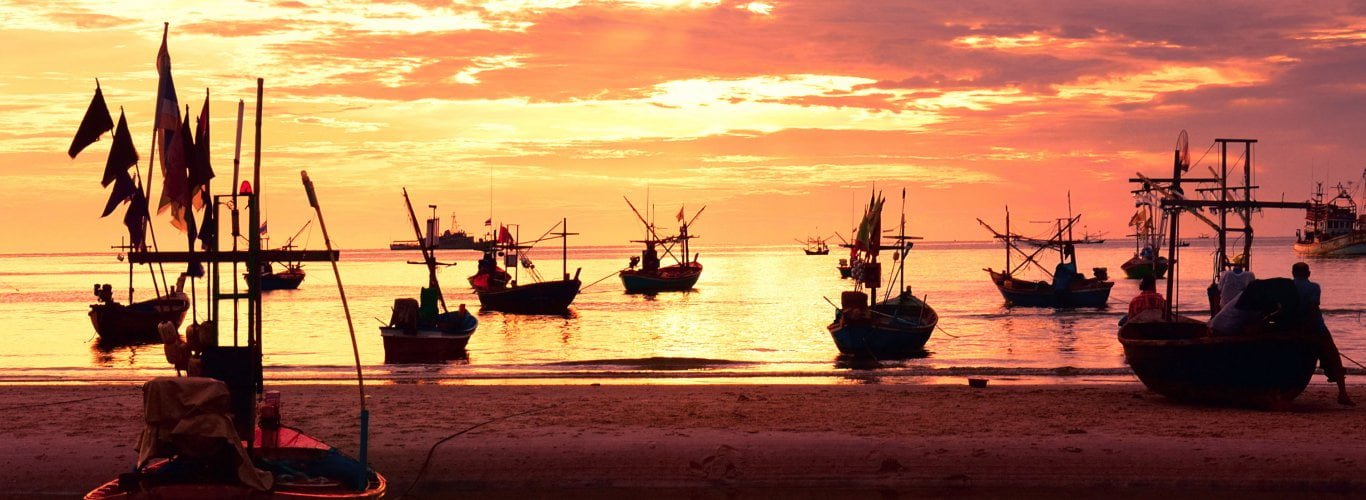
(346, 309)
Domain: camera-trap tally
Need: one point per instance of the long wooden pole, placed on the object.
(346, 309)
(236, 167)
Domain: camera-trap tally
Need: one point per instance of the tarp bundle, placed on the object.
(190, 417)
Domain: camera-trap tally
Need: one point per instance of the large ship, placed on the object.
(1332, 228)
(450, 239)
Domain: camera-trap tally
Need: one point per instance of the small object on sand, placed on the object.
(977, 383)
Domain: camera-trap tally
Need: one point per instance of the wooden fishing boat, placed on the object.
(815, 245)
(293, 274)
(1332, 228)
(499, 291)
(216, 433)
(1068, 288)
(417, 332)
(895, 327)
(443, 340)
(284, 450)
(1084, 292)
(1266, 366)
(1180, 359)
(137, 322)
(653, 278)
(1150, 237)
(844, 268)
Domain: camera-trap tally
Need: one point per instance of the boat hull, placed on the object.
(288, 280)
(665, 279)
(816, 252)
(1083, 293)
(138, 322)
(546, 297)
(888, 332)
(1262, 371)
(845, 271)
(300, 447)
(1139, 268)
(424, 345)
(1347, 245)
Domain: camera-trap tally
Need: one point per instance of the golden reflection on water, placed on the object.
(762, 307)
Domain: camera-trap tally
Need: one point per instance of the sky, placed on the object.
(778, 116)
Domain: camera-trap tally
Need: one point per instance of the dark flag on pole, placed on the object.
(136, 220)
(95, 124)
(200, 169)
(175, 189)
(122, 155)
(123, 191)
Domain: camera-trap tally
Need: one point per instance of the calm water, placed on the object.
(757, 314)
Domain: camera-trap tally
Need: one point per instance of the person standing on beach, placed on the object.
(1329, 358)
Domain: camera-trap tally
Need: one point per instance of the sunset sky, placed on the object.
(772, 113)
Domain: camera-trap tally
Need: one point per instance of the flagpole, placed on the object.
(147, 222)
(236, 164)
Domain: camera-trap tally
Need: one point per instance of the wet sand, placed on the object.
(638, 441)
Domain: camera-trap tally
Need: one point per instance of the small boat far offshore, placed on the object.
(651, 277)
(417, 332)
(815, 245)
(895, 327)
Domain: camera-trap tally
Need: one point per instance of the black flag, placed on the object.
(123, 191)
(136, 220)
(122, 155)
(95, 124)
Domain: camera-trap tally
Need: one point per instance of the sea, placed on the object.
(757, 315)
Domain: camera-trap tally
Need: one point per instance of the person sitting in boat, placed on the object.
(1146, 253)
(649, 259)
(1329, 358)
(1233, 281)
(1147, 300)
(1063, 276)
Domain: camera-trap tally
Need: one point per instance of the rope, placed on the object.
(609, 275)
(1344, 356)
(54, 403)
(432, 451)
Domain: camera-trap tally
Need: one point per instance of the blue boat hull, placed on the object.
(878, 342)
(1083, 293)
(547, 297)
(668, 279)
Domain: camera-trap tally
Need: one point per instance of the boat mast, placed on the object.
(428, 253)
(1007, 242)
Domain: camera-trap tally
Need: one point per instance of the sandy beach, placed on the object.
(749, 441)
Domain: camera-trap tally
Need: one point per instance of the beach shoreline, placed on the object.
(762, 441)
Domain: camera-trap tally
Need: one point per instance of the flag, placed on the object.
(263, 228)
(200, 171)
(503, 235)
(136, 219)
(1139, 218)
(488, 222)
(122, 155)
(95, 123)
(168, 107)
(680, 214)
(175, 189)
(123, 191)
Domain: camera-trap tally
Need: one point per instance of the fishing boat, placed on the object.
(134, 321)
(217, 433)
(1150, 225)
(651, 278)
(1181, 357)
(293, 274)
(1332, 228)
(900, 324)
(1068, 288)
(417, 332)
(453, 238)
(500, 291)
(815, 245)
(137, 322)
(844, 268)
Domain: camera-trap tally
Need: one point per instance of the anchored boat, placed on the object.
(500, 291)
(417, 332)
(900, 324)
(1332, 228)
(653, 278)
(1068, 288)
